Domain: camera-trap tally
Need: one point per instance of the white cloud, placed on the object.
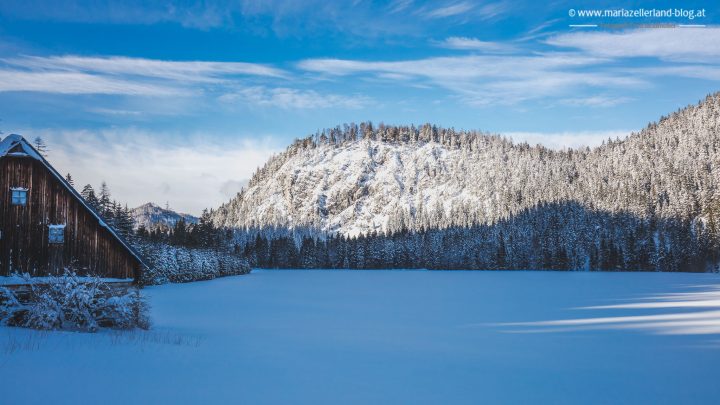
(80, 83)
(581, 63)
(561, 140)
(115, 112)
(397, 6)
(492, 10)
(491, 79)
(677, 44)
(122, 75)
(450, 10)
(231, 187)
(148, 77)
(288, 98)
(695, 71)
(596, 101)
(191, 173)
(492, 75)
(456, 67)
(566, 85)
(200, 71)
(473, 44)
(284, 18)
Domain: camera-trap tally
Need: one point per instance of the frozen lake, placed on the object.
(328, 337)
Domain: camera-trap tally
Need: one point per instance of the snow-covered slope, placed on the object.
(390, 337)
(361, 179)
(150, 216)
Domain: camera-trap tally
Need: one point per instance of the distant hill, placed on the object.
(360, 179)
(428, 197)
(152, 216)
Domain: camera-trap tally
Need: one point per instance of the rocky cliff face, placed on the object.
(359, 179)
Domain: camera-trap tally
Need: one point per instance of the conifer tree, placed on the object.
(88, 194)
(41, 146)
(70, 180)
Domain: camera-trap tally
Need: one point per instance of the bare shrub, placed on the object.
(75, 303)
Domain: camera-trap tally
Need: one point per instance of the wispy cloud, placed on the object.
(64, 82)
(490, 79)
(116, 112)
(695, 71)
(581, 69)
(497, 76)
(360, 20)
(449, 10)
(474, 44)
(251, 84)
(455, 67)
(283, 18)
(397, 6)
(289, 98)
(679, 44)
(539, 31)
(202, 71)
(492, 10)
(121, 75)
(596, 101)
(470, 10)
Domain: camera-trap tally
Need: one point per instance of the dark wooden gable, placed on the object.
(55, 228)
(16, 149)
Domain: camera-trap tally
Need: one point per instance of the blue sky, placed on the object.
(180, 102)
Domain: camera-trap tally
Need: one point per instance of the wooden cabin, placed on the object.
(46, 226)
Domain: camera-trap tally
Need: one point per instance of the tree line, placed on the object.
(431, 197)
(114, 213)
(203, 234)
(563, 236)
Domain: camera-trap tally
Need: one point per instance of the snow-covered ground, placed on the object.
(391, 337)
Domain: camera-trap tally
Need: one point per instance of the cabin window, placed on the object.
(18, 195)
(56, 234)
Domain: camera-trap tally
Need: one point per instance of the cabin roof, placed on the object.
(17, 146)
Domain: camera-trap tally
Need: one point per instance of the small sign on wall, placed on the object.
(56, 235)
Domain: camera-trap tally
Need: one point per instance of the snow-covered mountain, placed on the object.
(360, 179)
(151, 216)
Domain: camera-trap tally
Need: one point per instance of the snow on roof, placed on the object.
(13, 140)
(10, 142)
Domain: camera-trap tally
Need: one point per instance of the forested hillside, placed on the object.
(656, 189)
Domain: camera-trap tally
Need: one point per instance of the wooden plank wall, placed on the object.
(89, 247)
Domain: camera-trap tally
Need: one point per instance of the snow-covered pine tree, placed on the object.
(104, 201)
(649, 201)
(70, 180)
(88, 194)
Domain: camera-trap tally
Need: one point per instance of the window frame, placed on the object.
(18, 196)
(56, 234)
